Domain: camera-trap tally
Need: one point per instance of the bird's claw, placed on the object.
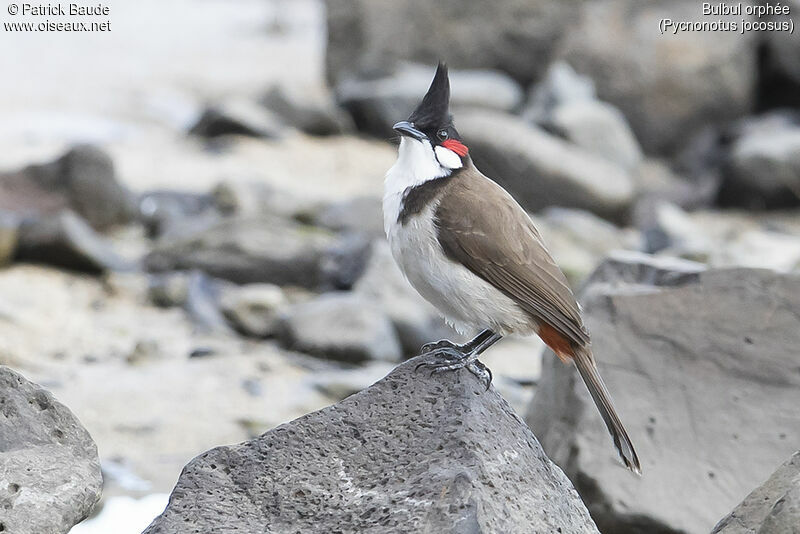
(449, 354)
(454, 360)
(482, 373)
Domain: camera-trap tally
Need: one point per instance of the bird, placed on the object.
(472, 251)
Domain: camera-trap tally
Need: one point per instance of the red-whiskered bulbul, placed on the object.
(468, 248)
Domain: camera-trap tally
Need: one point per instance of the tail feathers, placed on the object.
(584, 361)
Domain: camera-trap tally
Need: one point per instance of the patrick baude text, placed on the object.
(54, 10)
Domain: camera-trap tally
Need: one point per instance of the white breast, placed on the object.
(416, 164)
(467, 302)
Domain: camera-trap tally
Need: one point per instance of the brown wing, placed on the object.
(469, 214)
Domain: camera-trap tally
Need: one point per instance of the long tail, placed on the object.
(585, 363)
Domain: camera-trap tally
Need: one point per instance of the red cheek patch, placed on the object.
(456, 146)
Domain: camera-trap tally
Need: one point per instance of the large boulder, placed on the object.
(371, 36)
(49, 469)
(542, 170)
(703, 370)
(83, 180)
(668, 86)
(412, 453)
(772, 508)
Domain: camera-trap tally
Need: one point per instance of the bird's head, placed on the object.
(429, 131)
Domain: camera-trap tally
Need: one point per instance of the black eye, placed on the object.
(442, 135)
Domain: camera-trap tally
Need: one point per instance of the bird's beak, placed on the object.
(406, 128)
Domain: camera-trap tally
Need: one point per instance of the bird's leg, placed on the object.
(468, 357)
(453, 350)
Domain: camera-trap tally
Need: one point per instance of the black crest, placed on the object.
(433, 111)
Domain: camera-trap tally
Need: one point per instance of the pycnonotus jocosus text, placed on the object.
(466, 246)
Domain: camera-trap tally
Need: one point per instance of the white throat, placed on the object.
(417, 163)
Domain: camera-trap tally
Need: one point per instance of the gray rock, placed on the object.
(83, 180)
(409, 454)
(630, 271)
(757, 248)
(416, 321)
(9, 227)
(49, 468)
(579, 240)
(202, 304)
(564, 103)
(345, 261)
(561, 85)
(772, 508)
(175, 214)
(340, 326)
(599, 128)
(371, 36)
(377, 104)
(250, 198)
(763, 166)
(238, 117)
(339, 384)
(168, 289)
(705, 377)
(656, 181)
(667, 227)
(250, 250)
(312, 118)
(615, 43)
(700, 161)
(356, 215)
(252, 309)
(542, 170)
(721, 239)
(66, 240)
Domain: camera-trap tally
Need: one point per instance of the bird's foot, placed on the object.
(455, 359)
(449, 353)
(441, 344)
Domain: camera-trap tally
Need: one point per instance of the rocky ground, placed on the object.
(191, 239)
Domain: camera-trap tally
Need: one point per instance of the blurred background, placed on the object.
(190, 223)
